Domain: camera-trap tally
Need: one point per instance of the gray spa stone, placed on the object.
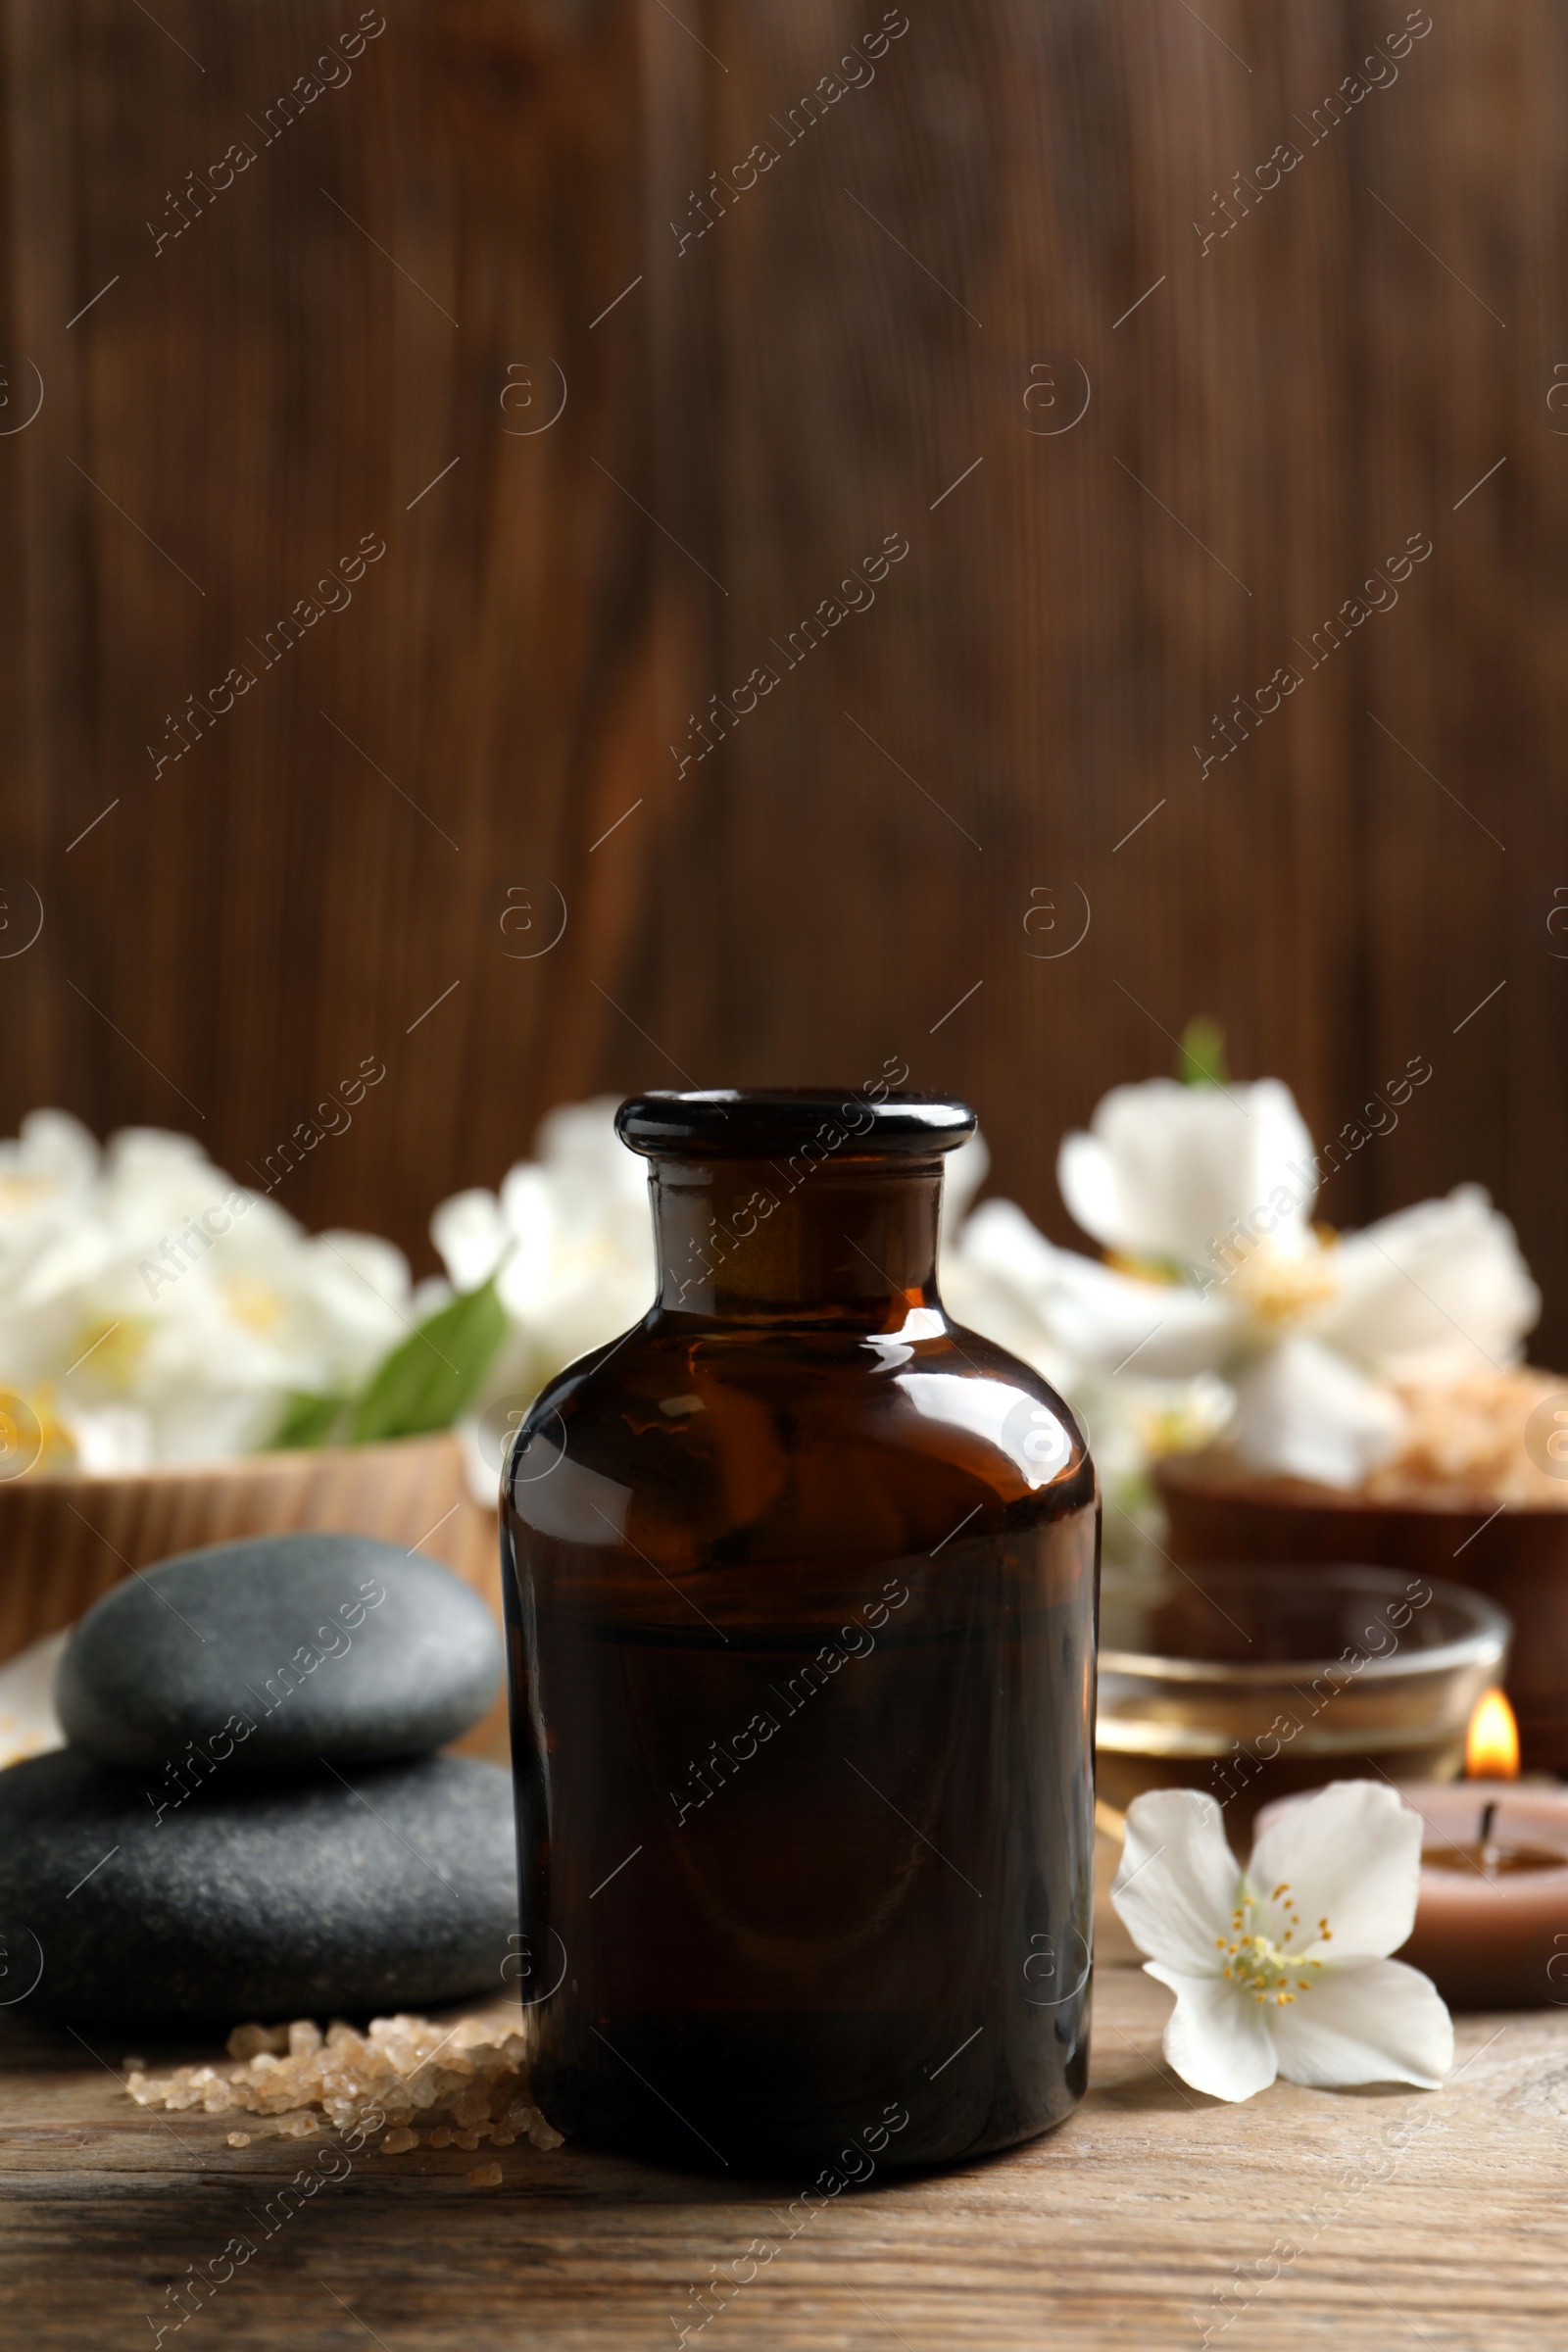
(280, 1650)
(301, 1897)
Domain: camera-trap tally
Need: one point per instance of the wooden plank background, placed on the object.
(845, 353)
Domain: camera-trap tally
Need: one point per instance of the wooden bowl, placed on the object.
(1517, 1557)
(65, 1541)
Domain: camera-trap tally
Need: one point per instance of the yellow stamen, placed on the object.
(1267, 1968)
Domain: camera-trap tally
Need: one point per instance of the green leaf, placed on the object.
(307, 1419)
(427, 1380)
(1200, 1061)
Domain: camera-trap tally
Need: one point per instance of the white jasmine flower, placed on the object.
(1283, 1968)
(1166, 1167)
(150, 1309)
(1203, 1193)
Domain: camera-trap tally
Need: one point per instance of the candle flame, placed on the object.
(1491, 1743)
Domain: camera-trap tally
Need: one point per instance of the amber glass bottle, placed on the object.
(800, 1590)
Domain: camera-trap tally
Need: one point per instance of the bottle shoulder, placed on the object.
(800, 1437)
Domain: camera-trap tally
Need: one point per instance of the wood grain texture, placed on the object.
(1366, 2219)
(848, 874)
(65, 1540)
(1077, 610)
(332, 855)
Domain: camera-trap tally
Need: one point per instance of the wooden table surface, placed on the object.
(1368, 2219)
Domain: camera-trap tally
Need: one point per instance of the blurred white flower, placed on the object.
(1166, 1168)
(150, 1309)
(1234, 1315)
(569, 1238)
(1203, 1193)
(1001, 1278)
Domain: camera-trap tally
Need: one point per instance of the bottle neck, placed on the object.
(851, 1241)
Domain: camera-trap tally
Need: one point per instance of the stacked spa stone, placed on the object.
(250, 1819)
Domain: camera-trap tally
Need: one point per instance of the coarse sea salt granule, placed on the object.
(460, 2085)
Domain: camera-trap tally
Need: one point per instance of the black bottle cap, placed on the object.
(754, 1124)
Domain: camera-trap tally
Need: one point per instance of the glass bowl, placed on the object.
(1517, 1557)
(1252, 1681)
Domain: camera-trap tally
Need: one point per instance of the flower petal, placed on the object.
(1217, 2040)
(1437, 1290)
(1176, 1883)
(1108, 1321)
(1086, 1176)
(1380, 2022)
(470, 1234)
(1353, 1854)
(1098, 1318)
(1166, 1168)
(1303, 1412)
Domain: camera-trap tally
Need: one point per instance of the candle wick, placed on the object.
(1488, 1816)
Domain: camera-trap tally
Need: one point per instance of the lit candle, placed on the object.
(1492, 1923)
(1491, 1920)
